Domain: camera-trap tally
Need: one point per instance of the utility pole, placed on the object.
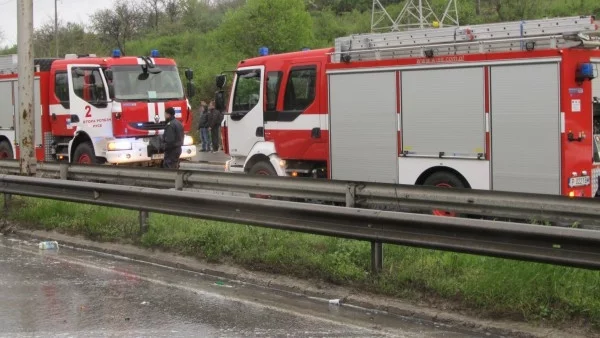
(26, 100)
(416, 14)
(56, 25)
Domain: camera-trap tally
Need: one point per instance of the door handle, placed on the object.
(315, 133)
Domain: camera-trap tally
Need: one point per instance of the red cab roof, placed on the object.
(261, 60)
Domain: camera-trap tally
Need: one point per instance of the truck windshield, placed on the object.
(130, 83)
(247, 91)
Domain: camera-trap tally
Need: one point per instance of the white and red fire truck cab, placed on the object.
(92, 109)
(514, 114)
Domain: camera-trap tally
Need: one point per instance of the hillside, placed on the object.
(212, 36)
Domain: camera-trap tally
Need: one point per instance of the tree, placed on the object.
(116, 27)
(200, 17)
(342, 6)
(281, 25)
(153, 10)
(73, 39)
(172, 10)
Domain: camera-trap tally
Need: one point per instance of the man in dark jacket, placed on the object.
(172, 140)
(215, 118)
(203, 127)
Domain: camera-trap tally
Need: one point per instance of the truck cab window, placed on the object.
(273, 84)
(300, 88)
(61, 88)
(247, 91)
(90, 86)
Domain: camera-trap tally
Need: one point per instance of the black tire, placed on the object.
(6, 151)
(84, 154)
(444, 179)
(263, 168)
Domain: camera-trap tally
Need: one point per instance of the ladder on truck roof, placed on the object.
(567, 32)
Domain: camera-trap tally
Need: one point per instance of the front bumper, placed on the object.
(144, 150)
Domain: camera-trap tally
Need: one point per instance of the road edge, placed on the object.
(309, 288)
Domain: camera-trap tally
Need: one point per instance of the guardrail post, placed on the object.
(7, 198)
(376, 257)
(144, 221)
(350, 195)
(64, 171)
(376, 247)
(179, 181)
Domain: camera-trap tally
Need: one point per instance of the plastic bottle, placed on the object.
(49, 245)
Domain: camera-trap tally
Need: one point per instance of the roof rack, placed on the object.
(567, 32)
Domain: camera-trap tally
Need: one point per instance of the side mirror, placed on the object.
(108, 73)
(221, 80)
(191, 90)
(220, 100)
(154, 70)
(111, 91)
(189, 74)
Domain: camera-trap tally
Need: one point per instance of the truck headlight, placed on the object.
(188, 140)
(118, 145)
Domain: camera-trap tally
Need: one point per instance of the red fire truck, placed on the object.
(510, 106)
(97, 110)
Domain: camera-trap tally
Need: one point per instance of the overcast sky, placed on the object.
(43, 12)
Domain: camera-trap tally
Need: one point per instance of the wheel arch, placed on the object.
(10, 144)
(264, 151)
(255, 159)
(80, 137)
(421, 179)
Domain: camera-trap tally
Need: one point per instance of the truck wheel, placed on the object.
(84, 154)
(263, 168)
(444, 179)
(266, 169)
(6, 151)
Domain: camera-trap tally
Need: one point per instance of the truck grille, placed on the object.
(595, 174)
(148, 125)
(48, 141)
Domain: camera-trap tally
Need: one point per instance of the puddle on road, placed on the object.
(73, 291)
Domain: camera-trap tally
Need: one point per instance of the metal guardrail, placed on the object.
(504, 205)
(561, 246)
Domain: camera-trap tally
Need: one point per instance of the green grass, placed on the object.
(493, 287)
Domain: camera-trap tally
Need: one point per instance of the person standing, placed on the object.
(203, 127)
(215, 119)
(172, 140)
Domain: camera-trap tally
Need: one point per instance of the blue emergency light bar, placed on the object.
(263, 51)
(154, 53)
(116, 53)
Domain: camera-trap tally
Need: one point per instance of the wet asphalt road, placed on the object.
(81, 293)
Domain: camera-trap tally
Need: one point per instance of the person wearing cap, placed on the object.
(172, 140)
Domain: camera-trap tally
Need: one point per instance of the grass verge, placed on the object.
(491, 287)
